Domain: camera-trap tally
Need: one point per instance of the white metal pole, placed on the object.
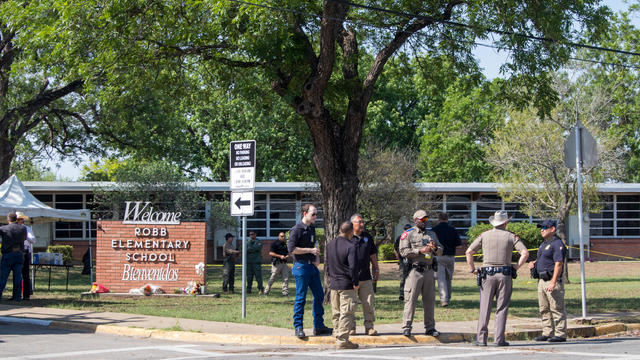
(244, 267)
(579, 174)
(90, 253)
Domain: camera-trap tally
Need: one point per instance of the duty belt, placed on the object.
(421, 267)
(491, 270)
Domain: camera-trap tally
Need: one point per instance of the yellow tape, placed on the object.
(603, 253)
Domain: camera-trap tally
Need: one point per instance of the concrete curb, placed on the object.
(324, 341)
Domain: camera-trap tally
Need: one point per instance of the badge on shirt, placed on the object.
(548, 246)
(365, 239)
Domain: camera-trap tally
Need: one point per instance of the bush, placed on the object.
(65, 250)
(385, 252)
(527, 232)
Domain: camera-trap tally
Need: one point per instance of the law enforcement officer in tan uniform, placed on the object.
(419, 246)
(495, 276)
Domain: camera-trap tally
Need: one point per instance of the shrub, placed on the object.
(385, 252)
(527, 232)
(65, 250)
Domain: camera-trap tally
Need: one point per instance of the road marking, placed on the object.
(177, 348)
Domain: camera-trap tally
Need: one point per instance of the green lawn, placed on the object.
(617, 292)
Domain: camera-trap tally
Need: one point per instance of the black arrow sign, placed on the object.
(241, 202)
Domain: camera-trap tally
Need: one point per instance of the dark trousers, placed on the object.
(403, 276)
(254, 269)
(26, 277)
(228, 275)
(307, 276)
(12, 262)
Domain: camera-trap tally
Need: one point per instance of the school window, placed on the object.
(458, 207)
(272, 213)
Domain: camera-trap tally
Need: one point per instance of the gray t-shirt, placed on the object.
(497, 246)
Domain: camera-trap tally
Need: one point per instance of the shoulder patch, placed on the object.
(404, 234)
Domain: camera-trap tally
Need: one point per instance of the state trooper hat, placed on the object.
(228, 235)
(420, 214)
(548, 224)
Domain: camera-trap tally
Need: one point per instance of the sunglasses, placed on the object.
(314, 214)
(546, 227)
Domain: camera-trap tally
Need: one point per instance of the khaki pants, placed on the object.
(497, 286)
(419, 283)
(365, 294)
(343, 307)
(279, 268)
(445, 275)
(552, 311)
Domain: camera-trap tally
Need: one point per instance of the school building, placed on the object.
(615, 230)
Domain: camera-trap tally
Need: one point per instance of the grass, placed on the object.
(611, 287)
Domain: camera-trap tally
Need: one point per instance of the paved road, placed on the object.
(25, 341)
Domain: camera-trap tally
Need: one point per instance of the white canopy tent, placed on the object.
(15, 197)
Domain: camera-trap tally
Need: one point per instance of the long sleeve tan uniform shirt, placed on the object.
(412, 240)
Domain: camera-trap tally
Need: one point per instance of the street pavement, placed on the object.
(28, 341)
(246, 334)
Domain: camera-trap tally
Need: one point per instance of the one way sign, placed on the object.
(242, 203)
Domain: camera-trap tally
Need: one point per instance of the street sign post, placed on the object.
(580, 150)
(242, 203)
(242, 165)
(242, 178)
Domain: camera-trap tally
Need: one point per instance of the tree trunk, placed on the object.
(7, 153)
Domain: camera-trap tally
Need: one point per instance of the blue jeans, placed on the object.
(12, 262)
(307, 276)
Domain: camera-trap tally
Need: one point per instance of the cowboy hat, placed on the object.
(499, 218)
(21, 215)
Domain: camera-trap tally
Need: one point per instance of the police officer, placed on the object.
(449, 238)
(254, 262)
(279, 256)
(302, 245)
(401, 263)
(497, 245)
(419, 246)
(548, 265)
(367, 253)
(229, 264)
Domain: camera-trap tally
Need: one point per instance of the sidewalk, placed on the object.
(236, 333)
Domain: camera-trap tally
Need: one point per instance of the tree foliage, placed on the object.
(528, 153)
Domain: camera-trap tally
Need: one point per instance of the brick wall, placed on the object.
(167, 266)
(624, 247)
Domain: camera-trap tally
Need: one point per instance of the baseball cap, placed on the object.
(420, 214)
(548, 224)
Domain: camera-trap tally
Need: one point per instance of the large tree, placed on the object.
(313, 55)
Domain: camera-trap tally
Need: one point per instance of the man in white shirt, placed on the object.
(28, 251)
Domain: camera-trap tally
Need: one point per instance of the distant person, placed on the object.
(548, 265)
(13, 237)
(449, 238)
(28, 251)
(279, 256)
(420, 247)
(368, 272)
(401, 263)
(495, 275)
(254, 262)
(303, 246)
(229, 254)
(342, 267)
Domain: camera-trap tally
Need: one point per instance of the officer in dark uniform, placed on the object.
(401, 263)
(229, 264)
(13, 237)
(548, 265)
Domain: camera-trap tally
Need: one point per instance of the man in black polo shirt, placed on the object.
(342, 267)
(367, 256)
(302, 245)
(279, 256)
(13, 236)
(449, 238)
(548, 264)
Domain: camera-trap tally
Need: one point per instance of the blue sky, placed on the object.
(490, 60)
